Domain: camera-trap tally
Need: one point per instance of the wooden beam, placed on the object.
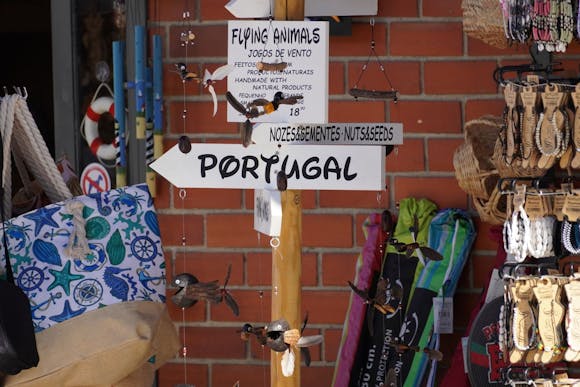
(289, 10)
(286, 281)
(287, 257)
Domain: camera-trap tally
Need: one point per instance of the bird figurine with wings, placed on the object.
(278, 336)
(257, 108)
(210, 78)
(190, 290)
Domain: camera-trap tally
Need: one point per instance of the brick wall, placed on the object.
(445, 79)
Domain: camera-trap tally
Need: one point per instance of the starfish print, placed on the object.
(63, 278)
(42, 217)
(67, 313)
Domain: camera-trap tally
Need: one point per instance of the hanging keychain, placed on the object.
(373, 94)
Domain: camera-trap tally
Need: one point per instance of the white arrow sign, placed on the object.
(333, 167)
(329, 134)
(264, 8)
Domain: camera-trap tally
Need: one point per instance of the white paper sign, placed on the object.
(302, 45)
(264, 8)
(332, 167)
(267, 212)
(443, 315)
(365, 133)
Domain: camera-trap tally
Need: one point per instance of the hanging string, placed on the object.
(373, 53)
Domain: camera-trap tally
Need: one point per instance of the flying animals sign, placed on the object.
(277, 61)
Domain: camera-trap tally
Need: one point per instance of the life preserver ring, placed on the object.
(91, 127)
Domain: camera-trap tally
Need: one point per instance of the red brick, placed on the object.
(336, 78)
(428, 116)
(170, 11)
(350, 199)
(210, 41)
(482, 269)
(443, 191)
(208, 198)
(459, 77)
(316, 376)
(337, 269)
(211, 266)
(356, 111)
(174, 227)
(199, 118)
(212, 343)
(440, 154)
(358, 42)
(326, 230)
(442, 8)
(374, 79)
(227, 375)
(477, 47)
(233, 230)
(426, 39)
(332, 338)
(254, 306)
(325, 307)
(480, 107)
(196, 312)
(484, 241)
(172, 374)
(161, 200)
(213, 10)
(398, 8)
(408, 157)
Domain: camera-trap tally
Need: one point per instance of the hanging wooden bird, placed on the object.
(381, 301)
(409, 248)
(259, 107)
(432, 354)
(190, 290)
(226, 295)
(185, 74)
(210, 78)
(248, 330)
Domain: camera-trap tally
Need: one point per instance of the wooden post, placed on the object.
(287, 258)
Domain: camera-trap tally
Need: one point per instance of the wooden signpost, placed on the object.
(284, 146)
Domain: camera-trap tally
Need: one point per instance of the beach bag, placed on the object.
(87, 252)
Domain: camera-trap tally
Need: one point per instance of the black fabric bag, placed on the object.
(17, 340)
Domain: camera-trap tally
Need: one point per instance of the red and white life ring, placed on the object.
(91, 126)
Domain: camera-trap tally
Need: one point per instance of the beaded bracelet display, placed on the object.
(569, 242)
(541, 241)
(516, 234)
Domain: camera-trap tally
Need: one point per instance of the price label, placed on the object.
(443, 315)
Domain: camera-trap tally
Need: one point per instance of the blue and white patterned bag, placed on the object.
(86, 253)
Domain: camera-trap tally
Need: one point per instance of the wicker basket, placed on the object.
(483, 20)
(492, 210)
(475, 173)
(515, 169)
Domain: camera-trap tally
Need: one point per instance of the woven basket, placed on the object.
(515, 169)
(483, 20)
(475, 174)
(492, 210)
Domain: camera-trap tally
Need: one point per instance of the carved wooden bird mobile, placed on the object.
(190, 290)
(185, 74)
(409, 248)
(278, 336)
(210, 78)
(257, 108)
(381, 301)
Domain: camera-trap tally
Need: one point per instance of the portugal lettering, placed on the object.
(248, 167)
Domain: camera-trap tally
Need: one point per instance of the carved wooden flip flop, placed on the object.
(530, 154)
(523, 320)
(548, 134)
(510, 96)
(576, 128)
